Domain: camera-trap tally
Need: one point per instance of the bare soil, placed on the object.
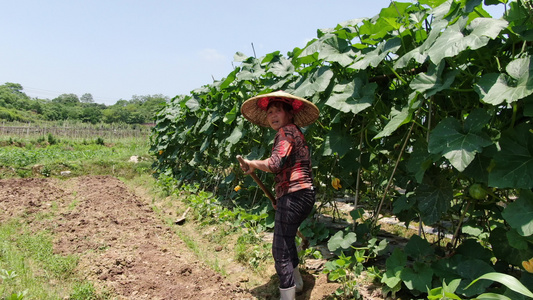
(124, 247)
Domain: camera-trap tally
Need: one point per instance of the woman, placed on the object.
(291, 162)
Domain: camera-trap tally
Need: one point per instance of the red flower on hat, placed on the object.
(297, 105)
(262, 103)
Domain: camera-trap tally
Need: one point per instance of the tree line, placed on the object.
(15, 105)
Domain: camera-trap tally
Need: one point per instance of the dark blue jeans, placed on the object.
(292, 209)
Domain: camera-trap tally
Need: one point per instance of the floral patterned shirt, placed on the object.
(290, 161)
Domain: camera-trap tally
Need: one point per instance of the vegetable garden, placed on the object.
(425, 115)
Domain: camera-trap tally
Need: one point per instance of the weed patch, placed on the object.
(30, 269)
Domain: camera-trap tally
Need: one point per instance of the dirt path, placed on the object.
(122, 244)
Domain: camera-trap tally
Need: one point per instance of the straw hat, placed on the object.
(254, 109)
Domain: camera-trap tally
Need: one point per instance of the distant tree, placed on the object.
(53, 111)
(67, 99)
(91, 114)
(15, 88)
(137, 99)
(11, 96)
(136, 118)
(144, 108)
(87, 98)
(74, 112)
(36, 106)
(10, 115)
(116, 115)
(121, 102)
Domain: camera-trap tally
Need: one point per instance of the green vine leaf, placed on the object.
(482, 30)
(230, 116)
(282, 68)
(399, 118)
(472, 249)
(420, 160)
(392, 278)
(228, 80)
(452, 41)
(193, 104)
(402, 203)
(209, 123)
(447, 291)
(419, 249)
(374, 57)
(240, 57)
(420, 54)
(316, 82)
(470, 269)
(504, 251)
(417, 278)
(352, 97)
(459, 144)
(516, 240)
(395, 265)
(519, 214)
(478, 169)
(340, 241)
(334, 49)
(513, 164)
(433, 198)
(433, 81)
(415, 54)
(496, 88)
(349, 166)
(237, 133)
(335, 142)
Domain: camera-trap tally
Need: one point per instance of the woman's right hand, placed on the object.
(249, 166)
(246, 166)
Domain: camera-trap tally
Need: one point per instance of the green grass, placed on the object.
(29, 158)
(30, 270)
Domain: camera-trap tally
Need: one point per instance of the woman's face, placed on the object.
(277, 117)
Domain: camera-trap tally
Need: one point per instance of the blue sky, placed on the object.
(115, 49)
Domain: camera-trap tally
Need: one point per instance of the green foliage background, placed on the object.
(16, 106)
(429, 98)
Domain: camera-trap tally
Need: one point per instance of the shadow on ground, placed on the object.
(270, 291)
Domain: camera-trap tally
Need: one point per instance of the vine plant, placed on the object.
(433, 98)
